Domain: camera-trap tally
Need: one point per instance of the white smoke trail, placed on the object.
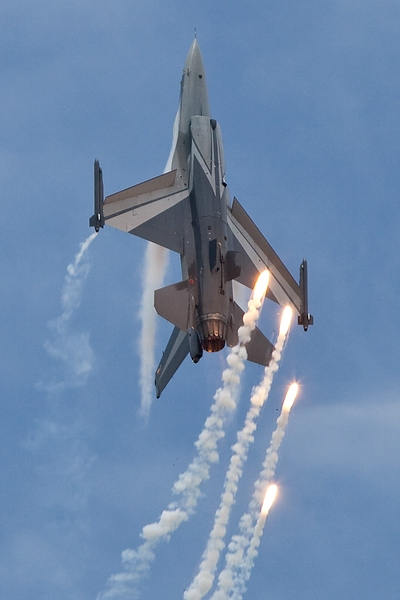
(137, 562)
(61, 456)
(155, 264)
(204, 580)
(247, 562)
(239, 562)
(72, 348)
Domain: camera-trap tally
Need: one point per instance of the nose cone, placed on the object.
(194, 60)
(194, 96)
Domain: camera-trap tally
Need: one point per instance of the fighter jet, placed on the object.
(188, 210)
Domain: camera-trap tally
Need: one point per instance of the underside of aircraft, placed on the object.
(188, 210)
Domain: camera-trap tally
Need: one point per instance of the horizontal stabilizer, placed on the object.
(172, 358)
(259, 349)
(172, 303)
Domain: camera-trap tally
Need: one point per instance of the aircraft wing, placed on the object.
(257, 255)
(154, 210)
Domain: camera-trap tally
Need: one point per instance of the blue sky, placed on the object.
(307, 96)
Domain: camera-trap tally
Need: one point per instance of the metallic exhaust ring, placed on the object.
(212, 330)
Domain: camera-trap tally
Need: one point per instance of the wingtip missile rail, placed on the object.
(97, 220)
(304, 318)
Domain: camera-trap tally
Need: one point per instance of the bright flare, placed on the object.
(270, 496)
(290, 397)
(285, 321)
(260, 289)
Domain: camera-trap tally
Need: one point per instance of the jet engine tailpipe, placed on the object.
(212, 330)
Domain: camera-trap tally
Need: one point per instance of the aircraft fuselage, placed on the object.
(199, 157)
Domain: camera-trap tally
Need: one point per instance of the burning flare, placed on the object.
(285, 321)
(137, 562)
(243, 548)
(290, 397)
(203, 581)
(260, 289)
(269, 499)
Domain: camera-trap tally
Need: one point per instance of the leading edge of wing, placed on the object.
(259, 255)
(153, 210)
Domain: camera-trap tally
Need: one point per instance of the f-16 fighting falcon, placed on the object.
(187, 209)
